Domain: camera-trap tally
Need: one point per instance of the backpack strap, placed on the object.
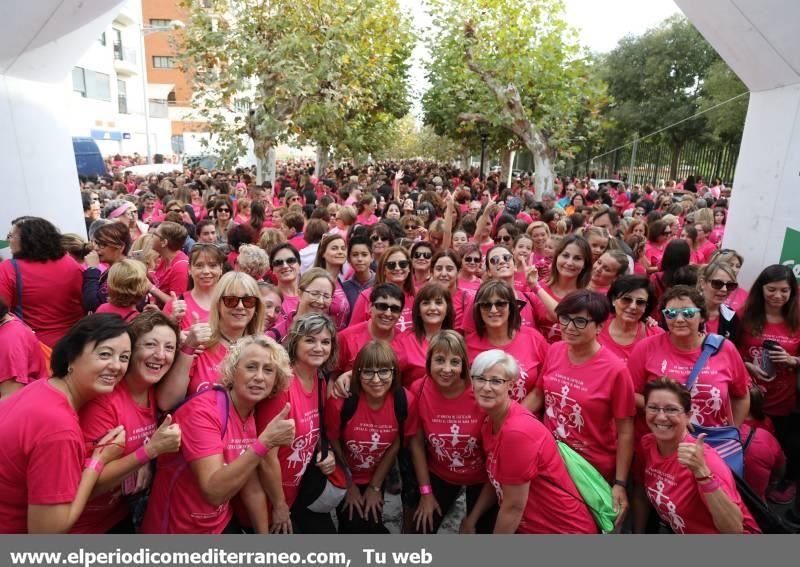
(18, 275)
(711, 346)
(348, 411)
(401, 413)
(749, 438)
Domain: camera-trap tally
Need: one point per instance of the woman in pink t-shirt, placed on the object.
(284, 261)
(432, 312)
(540, 257)
(366, 210)
(132, 405)
(111, 243)
(239, 311)
(586, 393)
(469, 276)
(332, 256)
(687, 482)
(21, 357)
(737, 297)
(772, 313)
(393, 267)
(446, 450)
(221, 448)
(313, 348)
(44, 481)
(369, 441)
(527, 475)
(27, 281)
(717, 280)
(607, 268)
(659, 234)
(205, 270)
(446, 266)
(632, 299)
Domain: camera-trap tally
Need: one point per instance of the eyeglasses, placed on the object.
(379, 238)
(505, 238)
(223, 210)
(472, 260)
(578, 322)
(686, 313)
(247, 301)
(500, 258)
(290, 261)
(628, 301)
(382, 374)
(670, 411)
(494, 383)
(382, 307)
(422, 255)
(489, 305)
(719, 284)
(411, 227)
(402, 264)
(317, 295)
(174, 211)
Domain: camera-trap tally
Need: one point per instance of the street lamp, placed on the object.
(484, 137)
(143, 31)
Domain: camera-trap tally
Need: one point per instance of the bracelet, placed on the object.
(259, 448)
(374, 488)
(94, 464)
(142, 456)
(622, 483)
(187, 350)
(536, 289)
(709, 476)
(425, 489)
(709, 487)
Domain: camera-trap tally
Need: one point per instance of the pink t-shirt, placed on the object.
(340, 307)
(299, 242)
(368, 434)
(469, 285)
(550, 328)
(654, 254)
(463, 300)
(361, 310)
(367, 221)
(762, 456)
(353, 339)
(703, 254)
(781, 392)
(623, 352)
(38, 465)
(452, 429)
(295, 458)
(528, 347)
(723, 376)
(51, 295)
(97, 418)
(173, 276)
(127, 313)
(192, 308)
(583, 401)
(674, 493)
(411, 355)
(21, 357)
(176, 504)
(524, 451)
(737, 298)
(204, 371)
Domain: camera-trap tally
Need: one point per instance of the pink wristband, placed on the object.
(425, 489)
(259, 448)
(142, 456)
(94, 464)
(709, 487)
(187, 350)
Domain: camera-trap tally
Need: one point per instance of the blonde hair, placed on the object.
(76, 246)
(247, 285)
(144, 245)
(127, 283)
(538, 224)
(252, 260)
(283, 370)
(270, 238)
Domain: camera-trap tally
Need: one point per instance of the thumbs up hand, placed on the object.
(199, 333)
(166, 439)
(692, 456)
(178, 307)
(279, 431)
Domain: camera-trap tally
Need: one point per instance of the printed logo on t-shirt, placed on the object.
(491, 463)
(302, 450)
(453, 447)
(707, 398)
(657, 494)
(564, 410)
(367, 453)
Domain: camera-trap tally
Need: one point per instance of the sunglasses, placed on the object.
(231, 301)
(379, 238)
(382, 307)
(505, 238)
(686, 313)
(422, 255)
(411, 227)
(402, 264)
(489, 305)
(223, 210)
(500, 258)
(627, 301)
(290, 261)
(578, 322)
(472, 260)
(174, 211)
(719, 284)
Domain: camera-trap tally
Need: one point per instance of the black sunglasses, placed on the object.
(411, 227)
(383, 307)
(402, 264)
(379, 237)
(290, 261)
(223, 210)
(422, 255)
(231, 301)
(472, 260)
(488, 305)
(719, 284)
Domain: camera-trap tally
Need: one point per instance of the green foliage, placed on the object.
(327, 72)
(409, 141)
(727, 121)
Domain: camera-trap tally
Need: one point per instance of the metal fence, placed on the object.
(652, 161)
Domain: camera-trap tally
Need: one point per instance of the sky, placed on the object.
(602, 23)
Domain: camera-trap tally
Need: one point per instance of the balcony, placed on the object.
(125, 60)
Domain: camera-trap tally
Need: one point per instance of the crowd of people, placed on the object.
(222, 356)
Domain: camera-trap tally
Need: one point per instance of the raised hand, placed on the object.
(166, 439)
(110, 447)
(199, 333)
(279, 431)
(178, 307)
(692, 456)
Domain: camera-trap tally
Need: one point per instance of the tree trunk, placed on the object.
(323, 155)
(505, 164)
(265, 168)
(466, 159)
(543, 172)
(676, 156)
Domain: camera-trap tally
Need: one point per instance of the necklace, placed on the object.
(226, 339)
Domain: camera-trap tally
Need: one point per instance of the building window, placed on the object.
(241, 105)
(163, 62)
(122, 96)
(158, 23)
(91, 84)
(158, 108)
(79, 81)
(171, 100)
(102, 38)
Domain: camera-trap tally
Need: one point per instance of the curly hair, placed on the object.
(280, 360)
(39, 240)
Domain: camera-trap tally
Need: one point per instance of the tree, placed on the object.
(721, 85)
(656, 80)
(330, 72)
(409, 141)
(513, 68)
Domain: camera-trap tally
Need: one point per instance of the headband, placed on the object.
(119, 211)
